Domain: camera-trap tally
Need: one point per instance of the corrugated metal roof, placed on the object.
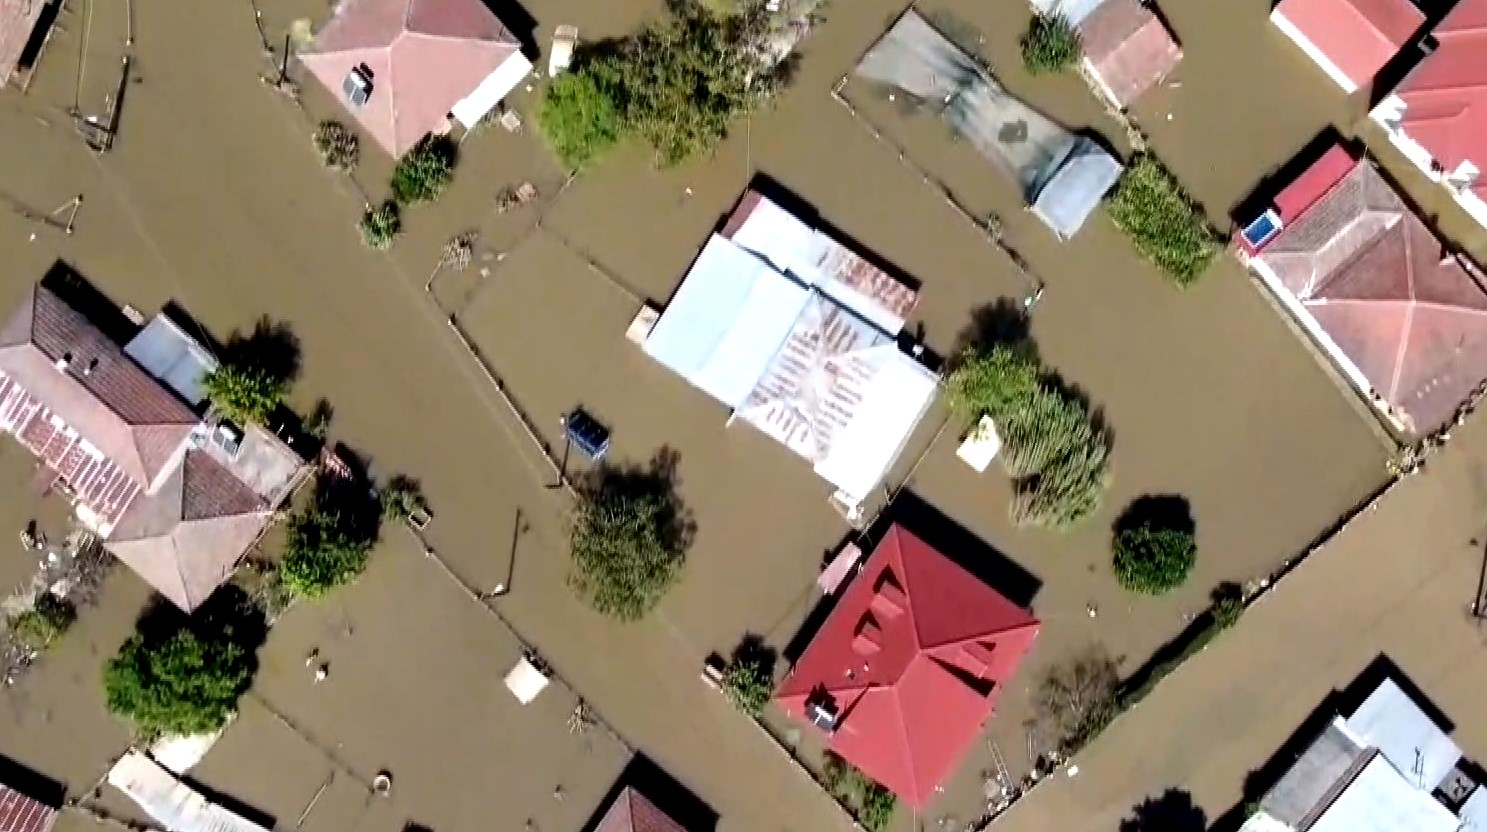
(1389, 720)
(169, 801)
(19, 813)
(1315, 776)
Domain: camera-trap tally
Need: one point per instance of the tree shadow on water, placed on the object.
(999, 323)
(752, 649)
(1172, 811)
(657, 478)
(1166, 512)
(270, 347)
(229, 614)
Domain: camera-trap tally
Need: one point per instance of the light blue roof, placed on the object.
(1390, 721)
(1076, 188)
(727, 321)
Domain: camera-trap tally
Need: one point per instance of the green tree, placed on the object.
(625, 555)
(381, 225)
(579, 117)
(1153, 560)
(993, 381)
(44, 623)
(1051, 44)
(246, 394)
(1164, 223)
(181, 684)
(423, 173)
(748, 682)
(325, 549)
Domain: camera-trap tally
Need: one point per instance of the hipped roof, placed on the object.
(424, 56)
(632, 811)
(1446, 95)
(101, 392)
(914, 656)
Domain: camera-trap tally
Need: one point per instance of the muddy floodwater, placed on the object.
(212, 197)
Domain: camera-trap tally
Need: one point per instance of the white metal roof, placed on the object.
(525, 681)
(175, 358)
(1390, 721)
(173, 804)
(1380, 799)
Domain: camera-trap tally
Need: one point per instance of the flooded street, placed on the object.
(213, 197)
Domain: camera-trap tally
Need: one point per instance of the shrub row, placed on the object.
(1163, 221)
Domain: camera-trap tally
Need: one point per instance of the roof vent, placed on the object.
(868, 637)
(358, 85)
(889, 599)
(90, 367)
(64, 362)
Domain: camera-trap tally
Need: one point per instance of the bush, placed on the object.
(876, 809)
(182, 684)
(1154, 560)
(749, 683)
(44, 623)
(339, 147)
(1151, 207)
(381, 225)
(1051, 44)
(423, 173)
(401, 498)
(243, 393)
(579, 117)
(325, 550)
(1057, 452)
(624, 556)
(871, 803)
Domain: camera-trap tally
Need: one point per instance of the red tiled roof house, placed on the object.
(1351, 40)
(405, 68)
(1402, 318)
(19, 813)
(632, 811)
(1438, 116)
(908, 666)
(176, 498)
(1127, 51)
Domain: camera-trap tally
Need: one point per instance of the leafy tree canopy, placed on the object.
(423, 173)
(244, 393)
(325, 550)
(181, 684)
(625, 557)
(1153, 560)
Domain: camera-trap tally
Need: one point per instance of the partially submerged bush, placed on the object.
(1154, 560)
(182, 684)
(44, 623)
(339, 147)
(1051, 44)
(624, 557)
(1055, 449)
(748, 680)
(1163, 222)
(325, 549)
(381, 225)
(423, 173)
(579, 117)
(245, 393)
(869, 802)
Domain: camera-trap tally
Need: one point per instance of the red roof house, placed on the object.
(19, 813)
(1127, 50)
(1350, 40)
(1404, 319)
(403, 68)
(1438, 115)
(632, 811)
(908, 666)
(178, 500)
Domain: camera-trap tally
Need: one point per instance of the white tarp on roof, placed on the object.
(175, 358)
(171, 803)
(726, 322)
(1380, 799)
(1390, 721)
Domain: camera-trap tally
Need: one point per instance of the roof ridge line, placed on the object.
(1032, 623)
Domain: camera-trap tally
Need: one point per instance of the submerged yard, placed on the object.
(213, 197)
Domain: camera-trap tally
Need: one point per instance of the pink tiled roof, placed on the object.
(631, 811)
(17, 21)
(187, 538)
(1129, 48)
(424, 56)
(134, 420)
(1446, 95)
(1358, 36)
(1408, 314)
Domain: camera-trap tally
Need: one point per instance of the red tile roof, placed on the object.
(1409, 315)
(18, 20)
(1128, 47)
(424, 57)
(187, 538)
(1358, 36)
(913, 658)
(134, 420)
(631, 811)
(1446, 95)
(19, 813)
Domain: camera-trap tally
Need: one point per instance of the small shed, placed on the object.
(1127, 51)
(527, 679)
